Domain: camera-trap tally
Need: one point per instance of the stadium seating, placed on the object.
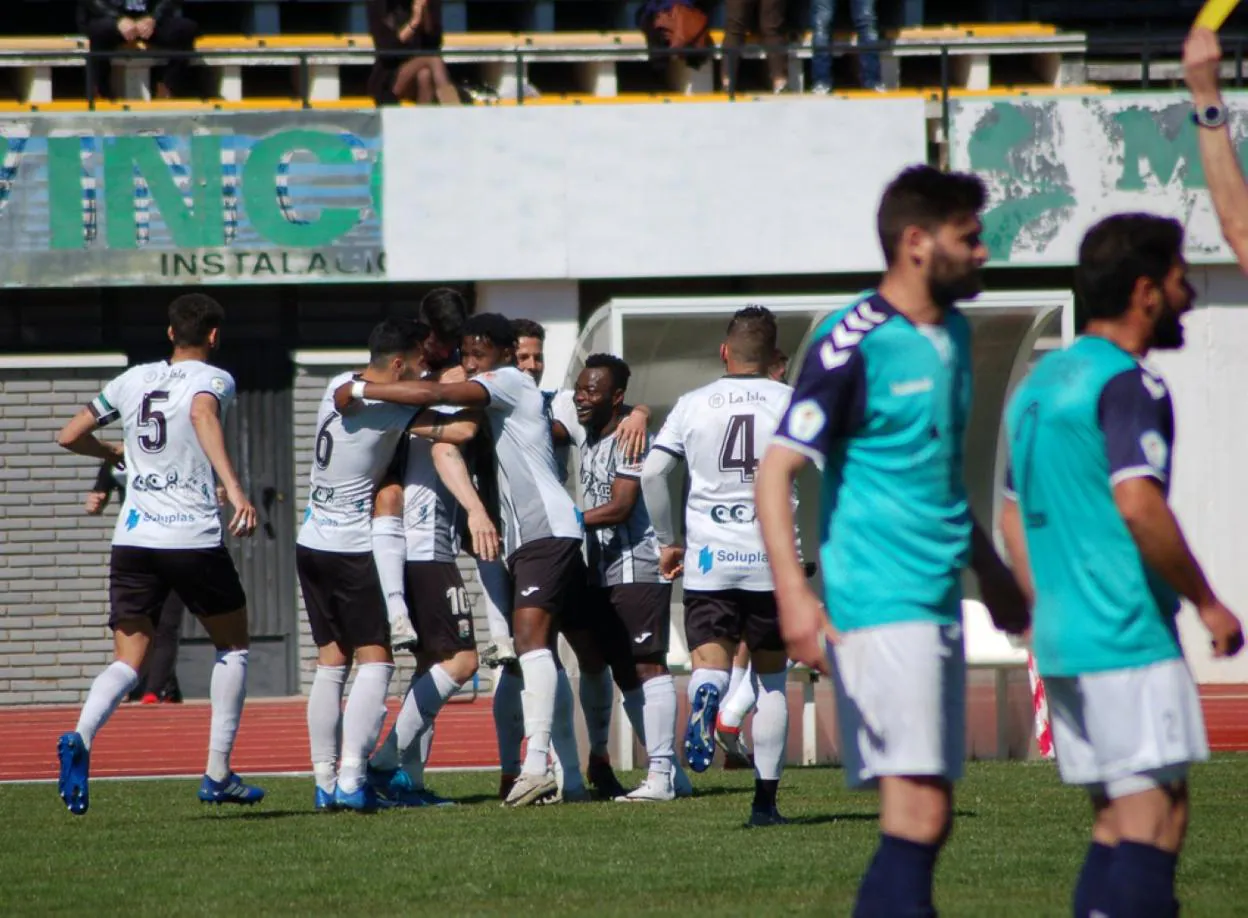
(975, 58)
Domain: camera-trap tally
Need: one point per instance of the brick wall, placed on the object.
(53, 557)
(310, 383)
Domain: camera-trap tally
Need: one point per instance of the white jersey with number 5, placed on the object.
(171, 499)
(722, 431)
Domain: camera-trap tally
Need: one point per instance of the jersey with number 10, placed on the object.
(171, 499)
(722, 431)
(1085, 419)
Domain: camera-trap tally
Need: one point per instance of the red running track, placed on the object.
(172, 739)
(150, 740)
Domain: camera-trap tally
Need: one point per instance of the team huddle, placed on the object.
(446, 440)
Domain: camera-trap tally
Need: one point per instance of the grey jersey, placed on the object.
(430, 513)
(628, 552)
(352, 454)
(170, 501)
(532, 500)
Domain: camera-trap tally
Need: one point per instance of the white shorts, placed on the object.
(901, 701)
(1125, 731)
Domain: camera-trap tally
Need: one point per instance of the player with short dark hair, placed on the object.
(720, 430)
(629, 603)
(882, 405)
(1091, 435)
(541, 530)
(337, 570)
(169, 537)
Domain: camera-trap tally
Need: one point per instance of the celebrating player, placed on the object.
(542, 533)
(720, 430)
(169, 538)
(1091, 434)
(881, 404)
(338, 572)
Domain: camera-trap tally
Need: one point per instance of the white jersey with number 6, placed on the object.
(722, 431)
(351, 456)
(171, 499)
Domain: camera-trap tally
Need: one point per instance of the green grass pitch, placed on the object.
(150, 848)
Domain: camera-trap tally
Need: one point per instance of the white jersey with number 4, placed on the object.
(351, 456)
(722, 431)
(171, 499)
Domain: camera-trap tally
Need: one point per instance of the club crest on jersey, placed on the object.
(716, 400)
(1155, 450)
(806, 420)
(217, 385)
(848, 333)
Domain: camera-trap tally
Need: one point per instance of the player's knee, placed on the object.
(228, 631)
(462, 666)
(769, 661)
(531, 630)
(651, 667)
(713, 655)
(374, 653)
(389, 500)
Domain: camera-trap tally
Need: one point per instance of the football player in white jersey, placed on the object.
(169, 537)
(629, 607)
(337, 571)
(721, 431)
(597, 692)
(739, 700)
(541, 529)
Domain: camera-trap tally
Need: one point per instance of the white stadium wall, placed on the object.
(697, 189)
(1208, 381)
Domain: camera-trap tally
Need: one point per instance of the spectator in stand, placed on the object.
(739, 17)
(157, 24)
(862, 13)
(159, 682)
(414, 27)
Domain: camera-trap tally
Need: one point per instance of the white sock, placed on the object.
(564, 751)
(228, 690)
(660, 716)
(634, 708)
(362, 720)
(597, 699)
(738, 673)
(421, 705)
(740, 701)
(390, 555)
(496, 589)
(107, 691)
(325, 724)
(538, 700)
(715, 677)
(508, 721)
(771, 726)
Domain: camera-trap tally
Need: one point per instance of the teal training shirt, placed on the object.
(882, 405)
(1085, 419)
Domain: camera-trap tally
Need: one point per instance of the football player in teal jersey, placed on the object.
(1091, 434)
(882, 404)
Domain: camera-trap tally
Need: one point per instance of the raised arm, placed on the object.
(417, 394)
(451, 468)
(1202, 56)
(206, 419)
(457, 429)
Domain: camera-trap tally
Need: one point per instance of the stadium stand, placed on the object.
(575, 66)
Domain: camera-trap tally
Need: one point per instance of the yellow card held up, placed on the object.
(1214, 13)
